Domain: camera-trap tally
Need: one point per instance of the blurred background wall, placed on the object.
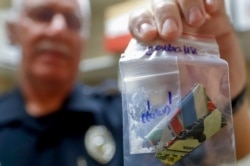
(109, 36)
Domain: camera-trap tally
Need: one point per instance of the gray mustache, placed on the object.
(48, 45)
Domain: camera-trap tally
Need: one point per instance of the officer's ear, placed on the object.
(11, 27)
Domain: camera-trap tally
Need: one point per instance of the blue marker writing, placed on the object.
(155, 113)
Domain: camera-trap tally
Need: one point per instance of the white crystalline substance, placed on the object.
(136, 144)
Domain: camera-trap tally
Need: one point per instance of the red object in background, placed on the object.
(116, 32)
(117, 44)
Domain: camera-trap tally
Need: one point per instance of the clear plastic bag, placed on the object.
(176, 104)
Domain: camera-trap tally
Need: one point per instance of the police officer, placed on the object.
(49, 120)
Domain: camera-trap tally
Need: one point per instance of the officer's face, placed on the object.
(49, 33)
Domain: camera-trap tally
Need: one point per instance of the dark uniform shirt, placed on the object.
(58, 139)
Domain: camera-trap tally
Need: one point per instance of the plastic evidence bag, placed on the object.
(176, 104)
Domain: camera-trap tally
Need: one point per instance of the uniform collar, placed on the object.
(12, 104)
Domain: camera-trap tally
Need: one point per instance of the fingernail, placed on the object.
(195, 16)
(169, 26)
(145, 28)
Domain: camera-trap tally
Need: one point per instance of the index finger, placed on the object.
(168, 20)
(142, 25)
